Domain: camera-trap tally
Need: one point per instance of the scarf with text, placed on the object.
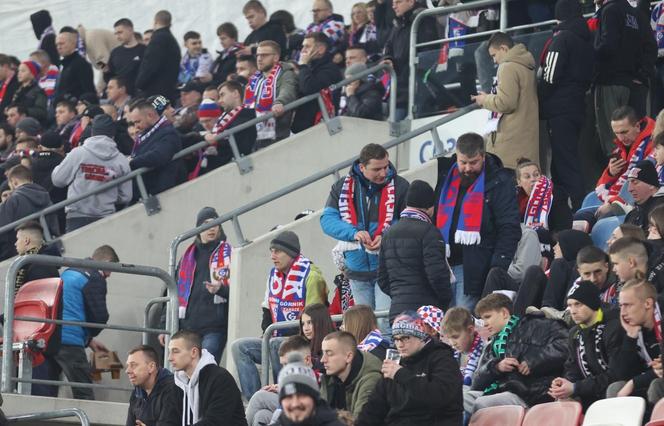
(385, 208)
(220, 262)
(415, 214)
(287, 292)
(5, 85)
(474, 355)
(146, 135)
(582, 350)
(259, 94)
(470, 216)
(498, 346)
(657, 329)
(539, 204)
(343, 296)
(371, 341)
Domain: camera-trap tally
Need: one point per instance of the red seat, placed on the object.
(658, 411)
(655, 423)
(504, 415)
(28, 330)
(559, 413)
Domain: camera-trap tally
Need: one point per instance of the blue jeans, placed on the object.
(246, 354)
(459, 299)
(368, 293)
(215, 342)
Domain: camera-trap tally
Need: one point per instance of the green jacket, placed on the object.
(360, 387)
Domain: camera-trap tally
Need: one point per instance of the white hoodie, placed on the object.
(190, 399)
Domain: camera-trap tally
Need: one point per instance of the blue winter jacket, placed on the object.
(84, 299)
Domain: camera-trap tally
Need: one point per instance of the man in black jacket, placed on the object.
(317, 72)
(42, 25)
(51, 153)
(423, 388)
(566, 73)
(643, 186)
(362, 98)
(158, 73)
(412, 268)
(206, 394)
(30, 240)
(75, 77)
(477, 214)
(521, 360)
(593, 343)
(261, 29)
(625, 55)
(151, 402)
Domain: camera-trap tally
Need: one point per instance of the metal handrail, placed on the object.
(330, 171)
(281, 325)
(123, 268)
(227, 134)
(55, 414)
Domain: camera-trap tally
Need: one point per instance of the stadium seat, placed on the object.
(623, 411)
(655, 423)
(658, 411)
(602, 230)
(504, 415)
(560, 413)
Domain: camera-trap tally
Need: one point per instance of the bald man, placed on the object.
(76, 76)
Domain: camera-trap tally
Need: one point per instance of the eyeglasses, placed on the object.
(402, 339)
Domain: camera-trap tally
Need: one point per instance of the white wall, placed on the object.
(200, 15)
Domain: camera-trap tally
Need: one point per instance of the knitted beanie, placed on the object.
(297, 378)
(34, 68)
(585, 292)
(409, 324)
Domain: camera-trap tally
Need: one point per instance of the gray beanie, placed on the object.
(356, 69)
(288, 242)
(29, 125)
(103, 125)
(297, 378)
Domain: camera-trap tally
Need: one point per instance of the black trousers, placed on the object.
(564, 131)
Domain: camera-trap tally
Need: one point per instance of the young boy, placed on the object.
(459, 328)
(593, 265)
(523, 357)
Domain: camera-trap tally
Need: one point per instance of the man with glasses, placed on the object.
(329, 23)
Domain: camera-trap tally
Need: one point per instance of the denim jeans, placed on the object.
(215, 342)
(459, 299)
(74, 223)
(368, 293)
(246, 354)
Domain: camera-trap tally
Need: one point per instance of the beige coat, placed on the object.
(516, 100)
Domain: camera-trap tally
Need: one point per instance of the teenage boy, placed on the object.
(629, 257)
(459, 328)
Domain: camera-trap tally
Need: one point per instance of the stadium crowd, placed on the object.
(506, 282)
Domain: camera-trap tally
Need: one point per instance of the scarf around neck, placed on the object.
(539, 204)
(385, 206)
(474, 355)
(582, 350)
(498, 346)
(146, 135)
(416, 214)
(657, 329)
(287, 293)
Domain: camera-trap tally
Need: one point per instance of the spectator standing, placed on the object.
(316, 73)
(88, 166)
(423, 388)
(268, 90)
(362, 32)
(186, 117)
(362, 98)
(151, 400)
(261, 28)
(294, 35)
(42, 25)
(224, 65)
(513, 126)
(30, 240)
(125, 60)
(158, 73)
(359, 209)
(245, 68)
(75, 79)
(331, 24)
(196, 61)
(412, 268)
(117, 94)
(48, 77)
(207, 392)
(8, 84)
(49, 156)
(155, 146)
(625, 52)
(29, 95)
(476, 202)
(66, 120)
(567, 70)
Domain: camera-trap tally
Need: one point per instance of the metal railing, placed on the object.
(123, 268)
(330, 171)
(282, 325)
(55, 414)
(150, 201)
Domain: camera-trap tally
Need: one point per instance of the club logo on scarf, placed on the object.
(288, 291)
(539, 204)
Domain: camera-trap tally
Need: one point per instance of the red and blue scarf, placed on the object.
(385, 208)
(470, 216)
(371, 341)
(146, 135)
(416, 214)
(220, 262)
(261, 91)
(539, 204)
(474, 355)
(287, 293)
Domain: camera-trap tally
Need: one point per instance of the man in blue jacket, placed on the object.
(361, 206)
(477, 215)
(84, 300)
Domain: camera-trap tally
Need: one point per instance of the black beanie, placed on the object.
(51, 140)
(103, 125)
(644, 171)
(568, 9)
(205, 214)
(571, 241)
(585, 292)
(420, 195)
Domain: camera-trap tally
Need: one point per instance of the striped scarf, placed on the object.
(657, 329)
(582, 350)
(385, 208)
(371, 341)
(470, 216)
(260, 94)
(287, 292)
(474, 355)
(539, 204)
(415, 214)
(498, 346)
(146, 135)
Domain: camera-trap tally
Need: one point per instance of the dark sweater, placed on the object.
(269, 31)
(124, 62)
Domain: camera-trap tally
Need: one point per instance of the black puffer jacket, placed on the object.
(597, 357)
(412, 268)
(367, 102)
(426, 391)
(155, 409)
(639, 215)
(542, 344)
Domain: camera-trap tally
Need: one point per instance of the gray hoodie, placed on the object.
(87, 167)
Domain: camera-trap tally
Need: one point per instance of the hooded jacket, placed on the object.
(87, 167)
(41, 21)
(640, 213)
(517, 134)
(361, 265)
(157, 408)
(210, 397)
(365, 374)
(426, 391)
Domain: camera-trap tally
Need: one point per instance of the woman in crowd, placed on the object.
(315, 324)
(29, 95)
(360, 321)
(362, 33)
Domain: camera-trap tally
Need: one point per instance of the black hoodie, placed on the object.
(41, 20)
